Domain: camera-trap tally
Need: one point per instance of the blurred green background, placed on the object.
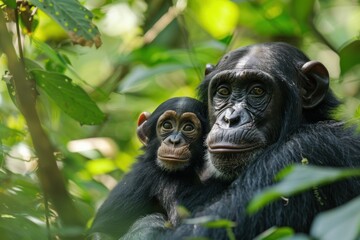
(151, 51)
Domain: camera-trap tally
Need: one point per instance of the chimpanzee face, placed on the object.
(248, 93)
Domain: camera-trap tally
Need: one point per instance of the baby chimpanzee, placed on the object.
(167, 174)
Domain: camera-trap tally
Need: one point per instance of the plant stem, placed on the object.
(51, 179)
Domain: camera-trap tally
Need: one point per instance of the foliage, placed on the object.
(300, 178)
(87, 99)
(340, 223)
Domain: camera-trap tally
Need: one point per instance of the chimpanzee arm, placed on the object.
(127, 202)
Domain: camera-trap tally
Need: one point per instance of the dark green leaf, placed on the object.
(50, 53)
(10, 3)
(349, 56)
(340, 223)
(25, 229)
(74, 18)
(71, 98)
(299, 179)
(275, 233)
(302, 11)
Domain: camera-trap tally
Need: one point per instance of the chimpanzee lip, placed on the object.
(170, 158)
(231, 148)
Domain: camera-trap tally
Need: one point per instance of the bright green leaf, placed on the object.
(340, 223)
(72, 99)
(211, 222)
(100, 166)
(220, 223)
(299, 179)
(6, 132)
(222, 20)
(275, 233)
(74, 18)
(299, 236)
(348, 58)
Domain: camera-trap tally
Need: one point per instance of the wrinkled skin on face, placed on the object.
(246, 106)
(248, 94)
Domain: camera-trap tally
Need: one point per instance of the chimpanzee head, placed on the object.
(174, 133)
(257, 96)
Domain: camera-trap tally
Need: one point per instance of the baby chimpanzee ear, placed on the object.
(315, 85)
(209, 68)
(142, 131)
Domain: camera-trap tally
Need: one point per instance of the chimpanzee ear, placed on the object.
(315, 85)
(209, 68)
(141, 129)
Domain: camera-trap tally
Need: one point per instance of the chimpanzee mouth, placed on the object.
(173, 159)
(232, 148)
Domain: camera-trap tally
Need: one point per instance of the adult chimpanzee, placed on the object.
(167, 174)
(269, 107)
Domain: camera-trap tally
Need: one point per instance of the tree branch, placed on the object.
(51, 179)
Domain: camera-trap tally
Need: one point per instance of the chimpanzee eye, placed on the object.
(167, 125)
(223, 91)
(188, 127)
(257, 91)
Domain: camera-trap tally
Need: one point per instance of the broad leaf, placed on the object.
(340, 223)
(50, 53)
(71, 98)
(299, 178)
(348, 58)
(74, 18)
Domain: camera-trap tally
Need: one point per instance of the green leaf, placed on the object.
(275, 233)
(340, 223)
(6, 132)
(136, 78)
(299, 179)
(299, 236)
(302, 11)
(71, 98)
(349, 56)
(74, 18)
(50, 53)
(32, 65)
(25, 229)
(211, 222)
(10, 3)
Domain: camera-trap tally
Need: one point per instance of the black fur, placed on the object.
(309, 133)
(147, 188)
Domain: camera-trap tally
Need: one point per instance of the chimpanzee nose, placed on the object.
(173, 139)
(236, 116)
(231, 116)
